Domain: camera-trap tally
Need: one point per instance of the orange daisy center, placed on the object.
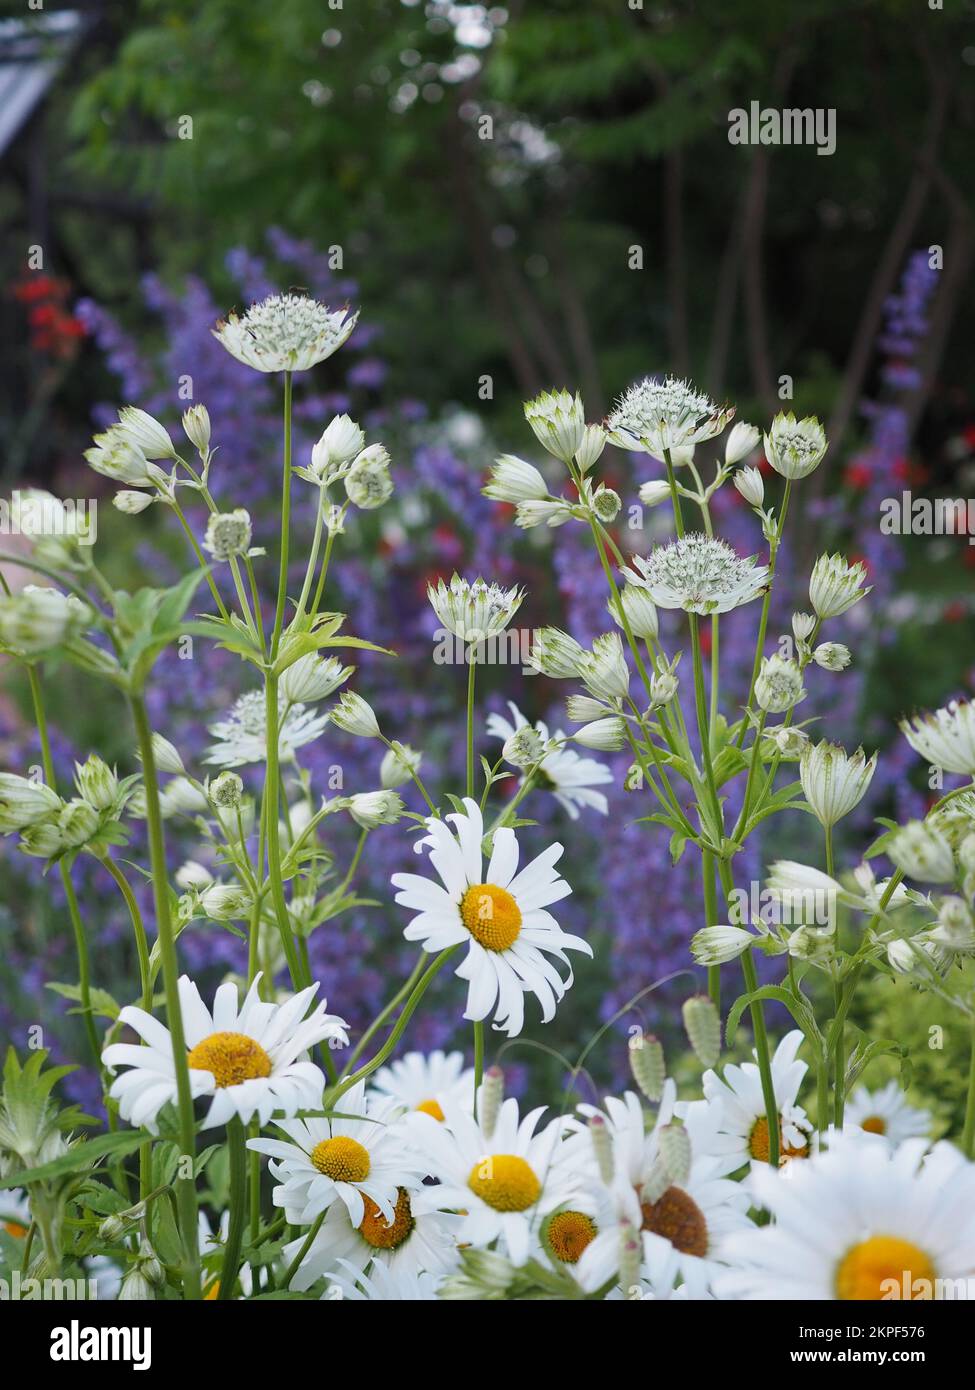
(679, 1219)
(568, 1234)
(231, 1057)
(387, 1235)
(505, 1182)
(491, 915)
(342, 1159)
(758, 1145)
(866, 1268)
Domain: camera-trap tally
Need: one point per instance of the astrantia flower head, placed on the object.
(474, 610)
(558, 422)
(24, 802)
(795, 447)
(779, 685)
(242, 736)
(228, 534)
(835, 586)
(368, 483)
(834, 781)
(946, 738)
(500, 914)
(285, 333)
(313, 677)
(555, 654)
(655, 416)
(699, 574)
(246, 1056)
(513, 480)
(922, 852)
(569, 777)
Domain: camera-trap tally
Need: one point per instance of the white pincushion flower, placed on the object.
(699, 574)
(922, 852)
(887, 1112)
(513, 480)
(427, 1082)
(779, 685)
(312, 678)
(834, 781)
(372, 809)
(285, 333)
(946, 738)
(835, 586)
(742, 440)
(859, 1221)
(242, 736)
(558, 422)
(501, 915)
(474, 610)
(657, 416)
(569, 777)
(832, 656)
(250, 1058)
(795, 447)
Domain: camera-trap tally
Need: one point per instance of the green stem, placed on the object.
(674, 496)
(285, 524)
(968, 1133)
(711, 918)
(766, 605)
(471, 669)
(764, 1063)
(272, 830)
(237, 1153)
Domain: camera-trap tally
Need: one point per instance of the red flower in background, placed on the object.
(54, 330)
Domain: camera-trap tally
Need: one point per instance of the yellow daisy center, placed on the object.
(491, 915)
(505, 1182)
(758, 1146)
(387, 1235)
(342, 1159)
(679, 1219)
(232, 1057)
(873, 1124)
(866, 1267)
(568, 1234)
(431, 1107)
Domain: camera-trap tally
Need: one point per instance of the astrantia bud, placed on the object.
(946, 737)
(832, 656)
(97, 783)
(353, 715)
(228, 534)
(923, 853)
(604, 735)
(398, 765)
(339, 444)
(966, 854)
(513, 480)
(196, 427)
(749, 483)
(787, 741)
(558, 422)
(183, 797)
(371, 809)
(663, 688)
(166, 757)
(489, 1099)
(368, 483)
(835, 586)
(77, 823)
(23, 802)
(143, 431)
(524, 748)
(136, 1288)
(604, 670)
(803, 626)
(606, 504)
(742, 440)
(115, 457)
(42, 840)
(546, 513)
(718, 945)
(593, 444)
(132, 503)
(583, 709)
(779, 685)
(556, 654)
(192, 876)
(901, 957)
(956, 927)
(112, 1229)
(225, 903)
(226, 790)
(834, 781)
(312, 678)
(702, 1023)
(795, 447)
(639, 610)
(647, 1065)
(654, 493)
(36, 619)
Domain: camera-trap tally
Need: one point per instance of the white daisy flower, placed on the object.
(285, 333)
(504, 1183)
(426, 1082)
(500, 914)
(860, 1222)
(474, 610)
(699, 574)
(383, 1283)
(946, 738)
(353, 1157)
(734, 1109)
(887, 1112)
(568, 776)
(246, 1057)
(656, 415)
(242, 736)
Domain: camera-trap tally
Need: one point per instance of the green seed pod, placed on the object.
(703, 1026)
(647, 1065)
(602, 1144)
(675, 1152)
(490, 1098)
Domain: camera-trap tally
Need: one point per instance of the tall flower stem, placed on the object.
(185, 1185)
(703, 726)
(237, 1153)
(478, 1025)
(968, 1133)
(766, 605)
(711, 919)
(674, 495)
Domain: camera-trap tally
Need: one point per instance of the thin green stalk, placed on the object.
(201, 560)
(320, 586)
(313, 557)
(711, 919)
(272, 831)
(471, 675)
(766, 605)
(674, 495)
(237, 1153)
(303, 1249)
(968, 1133)
(285, 524)
(702, 722)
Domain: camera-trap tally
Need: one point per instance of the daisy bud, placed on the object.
(513, 480)
(647, 1065)
(368, 483)
(341, 441)
(602, 1147)
(556, 654)
(675, 1152)
(803, 626)
(398, 765)
(558, 422)
(77, 823)
(166, 757)
(371, 809)
(795, 447)
(779, 685)
(548, 513)
(136, 1287)
(226, 790)
(132, 503)
(312, 678)
(604, 670)
(901, 957)
(582, 709)
(37, 619)
(834, 781)
(196, 427)
(97, 783)
(228, 534)
(956, 927)
(749, 483)
(606, 504)
(655, 492)
(24, 802)
(603, 735)
(718, 945)
(742, 441)
(41, 841)
(832, 656)
(631, 1256)
(923, 853)
(639, 610)
(193, 877)
(224, 902)
(835, 586)
(593, 444)
(489, 1099)
(353, 715)
(524, 748)
(702, 1024)
(144, 432)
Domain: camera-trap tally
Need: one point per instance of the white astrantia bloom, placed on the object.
(427, 1082)
(832, 656)
(835, 586)
(385, 1284)
(742, 440)
(794, 447)
(859, 1221)
(143, 431)
(834, 781)
(555, 654)
(241, 738)
(717, 945)
(250, 1057)
(602, 735)
(946, 737)
(285, 333)
(887, 1112)
(501, 914)
(779, 684)
(513, 480)
(922, 852)
(734, 1107)
(357, 1156)
(748, 482)
(604, 671)
(474, 610)
(313, 677)
(699, 574)
(372, 809)
(569, 777)
(228, 534)
(558, 422)
(504, 1183)
(24, 802)
(658, 416)
(354, 715)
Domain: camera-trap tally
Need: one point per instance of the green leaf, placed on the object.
(799, 1010)
(79, 1157)
(102, 1002)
